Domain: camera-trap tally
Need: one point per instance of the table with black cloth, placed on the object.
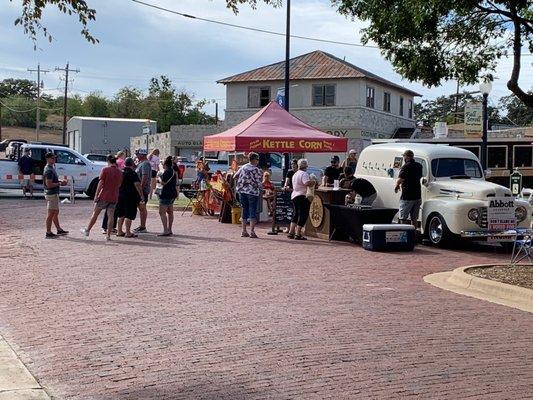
(347, 222)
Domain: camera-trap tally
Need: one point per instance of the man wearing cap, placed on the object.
(144, 170)
(333, 172)
(409, 182)
(25, 164)
(51, 195)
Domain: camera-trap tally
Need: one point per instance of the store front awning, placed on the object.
(273, 129)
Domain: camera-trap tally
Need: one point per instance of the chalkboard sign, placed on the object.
(284, 211)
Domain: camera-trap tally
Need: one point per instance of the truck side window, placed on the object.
(275, 160)
(424, 165)
(65, 157)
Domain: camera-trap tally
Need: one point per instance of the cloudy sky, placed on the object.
(137, 43)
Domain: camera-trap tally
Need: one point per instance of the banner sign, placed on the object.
(501, 214)
(280, 97)
(473, 126)
(275, 145)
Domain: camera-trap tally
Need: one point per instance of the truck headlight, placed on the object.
(473, 214)
(520, 213)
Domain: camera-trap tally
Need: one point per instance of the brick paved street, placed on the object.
(209, 315)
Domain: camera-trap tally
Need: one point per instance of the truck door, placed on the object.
(70, 165)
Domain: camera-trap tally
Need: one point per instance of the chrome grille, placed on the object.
(482, 220)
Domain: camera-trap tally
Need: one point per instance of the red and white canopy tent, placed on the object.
(273, 129)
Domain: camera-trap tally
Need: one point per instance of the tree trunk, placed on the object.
(512, 84)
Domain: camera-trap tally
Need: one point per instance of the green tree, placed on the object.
(443, 109)
(74, 106)
(20, 111)
(436, 40)
(516, 111)
(32, 12)
(127, 103)
(18, 87)
(96, 105)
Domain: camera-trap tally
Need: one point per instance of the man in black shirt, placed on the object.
(25, 164)
(288, 180)
(332, 172)
(365, 189)
(409, 181)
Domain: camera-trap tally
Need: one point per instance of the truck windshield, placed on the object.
(455, 167)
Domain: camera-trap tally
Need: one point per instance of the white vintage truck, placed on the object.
(82, 172)
(457, 201)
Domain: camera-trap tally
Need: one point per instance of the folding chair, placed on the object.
(521, 249)
(191, 194)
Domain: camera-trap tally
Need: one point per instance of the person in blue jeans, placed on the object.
(249, 179)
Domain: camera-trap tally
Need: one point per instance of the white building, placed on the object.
(326, 92)
(104, 135)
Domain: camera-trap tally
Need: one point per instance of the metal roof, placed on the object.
(112, 119)
(315, 65)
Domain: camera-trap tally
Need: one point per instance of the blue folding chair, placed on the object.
(521, 249)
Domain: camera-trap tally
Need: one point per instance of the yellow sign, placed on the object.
(316, 213)
(473, 127)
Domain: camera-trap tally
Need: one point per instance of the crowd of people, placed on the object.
(127, 184)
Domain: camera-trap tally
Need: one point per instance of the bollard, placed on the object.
(72, 193)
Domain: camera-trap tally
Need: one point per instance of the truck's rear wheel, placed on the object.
(91, 191)
(438, 232)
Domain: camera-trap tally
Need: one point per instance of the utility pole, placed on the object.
(287, 76)
(38, 119)
(66, 70)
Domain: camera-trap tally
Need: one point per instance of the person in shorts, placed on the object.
(144, 170)
(129, 196)
(169, 193)
(409, 182)
(51, 194)
(106, 197)
(25, 165)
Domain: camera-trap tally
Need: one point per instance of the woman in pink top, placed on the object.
(300, 182)
(120, 160)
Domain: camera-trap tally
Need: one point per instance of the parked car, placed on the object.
(83, 172)
(96, 157)
(457, 201)
(4, 143)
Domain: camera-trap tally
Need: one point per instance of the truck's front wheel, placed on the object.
(91, 191)
(438, 232)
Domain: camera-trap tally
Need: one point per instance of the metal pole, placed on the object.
(287, 76)
(484, 136)
(216, 113)
(38, 118)
(65, 107)
(287, 55)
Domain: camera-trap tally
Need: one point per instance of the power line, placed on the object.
(269, 32)
(249, 28)
(65, 100)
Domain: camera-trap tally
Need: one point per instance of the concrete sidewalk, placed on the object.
(16, 382)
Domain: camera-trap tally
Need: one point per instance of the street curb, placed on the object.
(459, 281)
(16, 382)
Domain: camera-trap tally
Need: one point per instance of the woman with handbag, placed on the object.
(301, 182)
(169, 192)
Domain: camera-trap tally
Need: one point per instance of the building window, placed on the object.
(410, 109)
(523, 156)
(401, 106)
(497, 157)
(370, 96)
(258, 96)
(386, 102)
(323, 95)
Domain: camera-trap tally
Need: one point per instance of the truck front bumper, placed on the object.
(499, 236)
